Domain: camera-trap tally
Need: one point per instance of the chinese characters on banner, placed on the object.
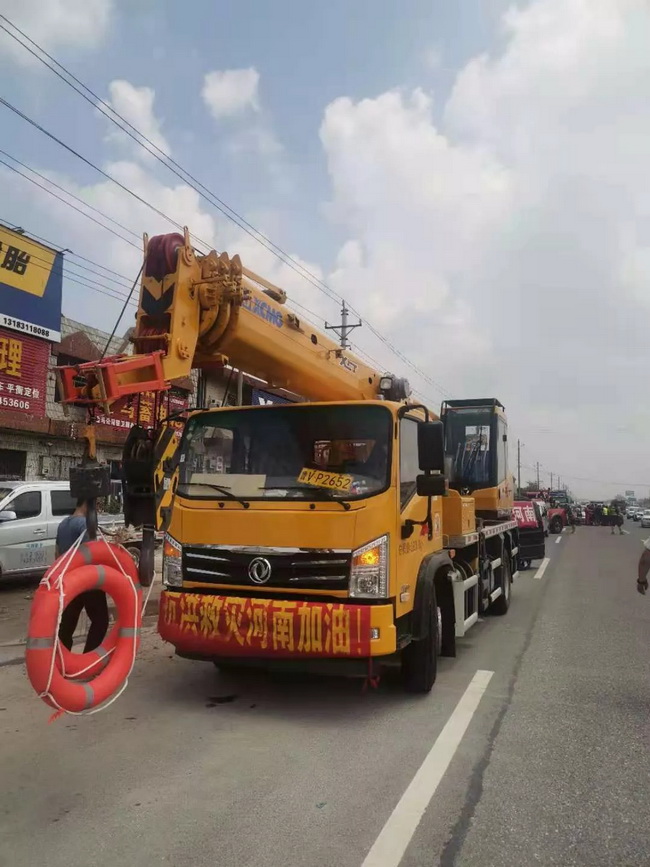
(125, 412)
(23, 373)
(524, 514)
(263, 627)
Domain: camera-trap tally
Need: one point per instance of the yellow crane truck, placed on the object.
(351, 529)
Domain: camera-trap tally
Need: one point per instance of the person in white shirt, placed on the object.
(644, 568)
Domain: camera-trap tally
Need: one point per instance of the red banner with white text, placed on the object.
(23, 373)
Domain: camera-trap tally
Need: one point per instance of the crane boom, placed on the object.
(202, 311)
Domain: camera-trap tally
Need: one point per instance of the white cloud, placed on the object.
(231, 92)
(135, 105)
(505, 249)
(56, 24)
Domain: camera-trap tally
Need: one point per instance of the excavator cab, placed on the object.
(476, 453)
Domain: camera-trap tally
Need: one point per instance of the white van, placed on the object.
(30, 514)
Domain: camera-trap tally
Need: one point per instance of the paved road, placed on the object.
(195, 768)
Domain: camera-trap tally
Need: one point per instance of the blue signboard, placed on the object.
(31, 279)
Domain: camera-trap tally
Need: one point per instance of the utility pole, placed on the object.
(518, 468)
(551, 481)
(344, 328)
(538, 475)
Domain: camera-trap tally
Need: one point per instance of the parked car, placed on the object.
(645, 518)
(30, 514)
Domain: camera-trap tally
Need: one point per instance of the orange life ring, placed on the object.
(104, 670)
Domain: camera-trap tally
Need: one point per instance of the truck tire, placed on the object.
(134, 551)
(420, 658)
(556, 524)
(500, 606)
(447, 616)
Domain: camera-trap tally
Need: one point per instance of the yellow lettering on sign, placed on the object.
(24, 264)
(340, 630)
(11, 354)
(310, 639)
(283, 627)
(323, 479)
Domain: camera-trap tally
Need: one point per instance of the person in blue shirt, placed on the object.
(94, 601)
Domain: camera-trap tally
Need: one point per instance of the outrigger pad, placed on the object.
(90, 481)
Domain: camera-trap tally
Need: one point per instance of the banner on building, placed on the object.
(23, 373)
(31, 279)
(127, 412)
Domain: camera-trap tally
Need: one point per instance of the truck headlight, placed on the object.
(172, 573)
(369, 572)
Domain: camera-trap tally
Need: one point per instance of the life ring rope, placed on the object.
(49, 679)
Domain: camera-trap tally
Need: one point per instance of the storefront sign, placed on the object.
(232, 626)
(31, 278)
(125, 412)
(23, 373)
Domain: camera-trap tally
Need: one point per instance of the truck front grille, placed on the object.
(303, 569)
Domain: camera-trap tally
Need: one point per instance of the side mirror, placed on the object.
(431, 486)
(7, 516)
(431, 446)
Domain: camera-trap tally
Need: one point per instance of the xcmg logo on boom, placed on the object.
(264, 311)
(347, 364)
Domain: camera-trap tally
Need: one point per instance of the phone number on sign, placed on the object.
(14, 402)
(24, 326)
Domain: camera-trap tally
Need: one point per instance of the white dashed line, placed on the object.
(542, 568)
(558, 540)
(390, 846)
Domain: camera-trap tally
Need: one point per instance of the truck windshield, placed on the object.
(467, 447)
(287, 452)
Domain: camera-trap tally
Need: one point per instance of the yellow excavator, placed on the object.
(346, 531)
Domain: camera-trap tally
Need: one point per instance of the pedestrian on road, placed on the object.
(571, 518)
(616, 519)
(644, 568)
(94, 601)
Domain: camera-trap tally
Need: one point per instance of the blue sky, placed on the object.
(472, 176)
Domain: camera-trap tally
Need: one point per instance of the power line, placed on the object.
(61, 199)
(202, 190)
(68, 193)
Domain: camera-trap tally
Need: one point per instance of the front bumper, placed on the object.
(213, 626)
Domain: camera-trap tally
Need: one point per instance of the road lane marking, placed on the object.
(558, 540)
(390, 846)
(542, 568)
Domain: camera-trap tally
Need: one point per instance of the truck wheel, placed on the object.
(134, 551)
(446, 617)
(501, 605)
(420, 658)
(556, 525)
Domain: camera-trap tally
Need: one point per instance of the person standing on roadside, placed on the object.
(643, 569)
(571, 517)
(94, 601)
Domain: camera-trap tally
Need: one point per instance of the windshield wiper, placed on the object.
(326, 493)
(224, 491)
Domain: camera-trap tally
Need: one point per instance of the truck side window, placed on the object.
(26, 505)
(408, 459)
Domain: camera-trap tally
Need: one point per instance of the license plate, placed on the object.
(322, 479)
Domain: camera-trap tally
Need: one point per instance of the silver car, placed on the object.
(30, 514)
